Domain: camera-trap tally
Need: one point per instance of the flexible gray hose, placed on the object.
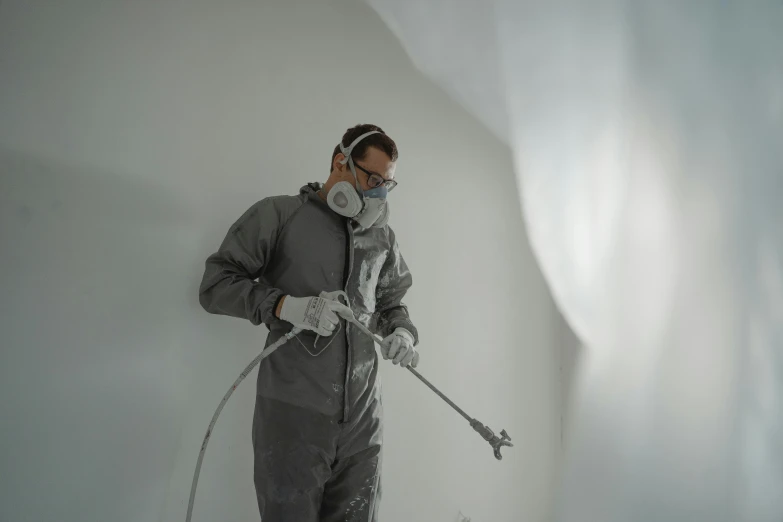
(271, 348)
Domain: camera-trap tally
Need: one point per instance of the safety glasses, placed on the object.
(375, 180)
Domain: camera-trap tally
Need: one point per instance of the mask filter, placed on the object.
(383, 216)
(343, 199)
(373, 209)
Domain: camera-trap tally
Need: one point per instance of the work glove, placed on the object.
(314, 313)
(399, 348)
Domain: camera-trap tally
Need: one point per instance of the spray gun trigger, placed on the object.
(335, 296)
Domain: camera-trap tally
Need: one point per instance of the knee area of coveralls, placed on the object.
(311, 466)
(353, 491)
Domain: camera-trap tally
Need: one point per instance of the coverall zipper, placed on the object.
(347, 324)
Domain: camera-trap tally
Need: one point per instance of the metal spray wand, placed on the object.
(488, 435)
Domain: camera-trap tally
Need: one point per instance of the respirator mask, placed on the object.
(368, 208)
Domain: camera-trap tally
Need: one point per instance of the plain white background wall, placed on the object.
(131, 135)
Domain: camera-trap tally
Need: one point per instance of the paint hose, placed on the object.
(263, 355)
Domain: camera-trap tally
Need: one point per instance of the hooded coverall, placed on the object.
(317, 426)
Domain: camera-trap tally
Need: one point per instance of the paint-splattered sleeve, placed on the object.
(394, 281)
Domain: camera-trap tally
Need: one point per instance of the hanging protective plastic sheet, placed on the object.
(648, 142)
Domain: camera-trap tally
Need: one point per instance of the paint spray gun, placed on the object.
(496, 442)
(488, 435)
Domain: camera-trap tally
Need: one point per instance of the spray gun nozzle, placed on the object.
(494, 441)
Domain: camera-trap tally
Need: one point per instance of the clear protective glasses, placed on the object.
(375, 180)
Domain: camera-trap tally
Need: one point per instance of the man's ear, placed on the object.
(336, 163)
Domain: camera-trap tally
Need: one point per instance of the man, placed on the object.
(317, 421)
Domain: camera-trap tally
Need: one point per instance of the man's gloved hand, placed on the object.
(399, 347)
(313, 313)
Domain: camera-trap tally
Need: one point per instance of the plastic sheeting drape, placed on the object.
(648, 143)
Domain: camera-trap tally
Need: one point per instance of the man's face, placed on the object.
(375, 166)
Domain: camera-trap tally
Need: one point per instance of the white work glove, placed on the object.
(314, 313)
(399, 347)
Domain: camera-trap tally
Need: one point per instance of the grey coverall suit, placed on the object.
(317, 427)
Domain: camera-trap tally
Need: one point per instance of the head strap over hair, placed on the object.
(347, 150)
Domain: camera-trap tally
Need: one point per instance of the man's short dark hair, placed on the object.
(380, 141)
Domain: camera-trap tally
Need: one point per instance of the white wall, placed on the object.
(131, 135)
